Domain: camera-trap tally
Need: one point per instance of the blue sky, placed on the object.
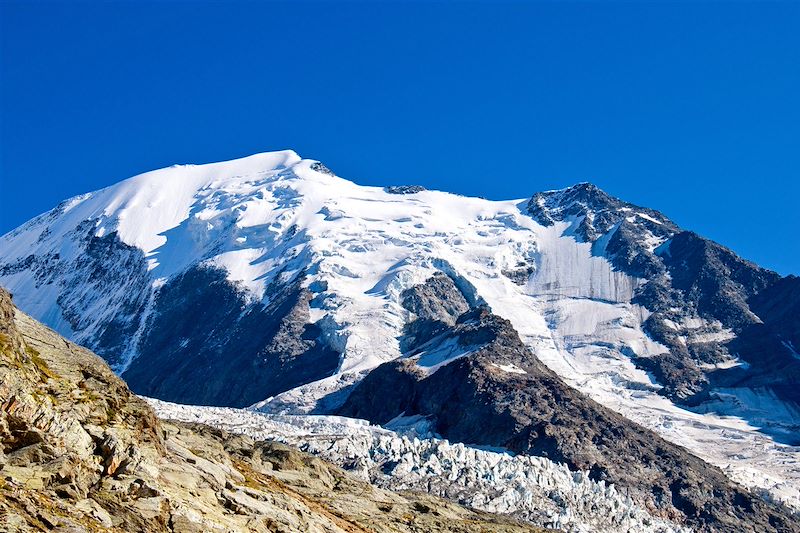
(689, 108)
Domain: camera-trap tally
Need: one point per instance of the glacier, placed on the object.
(533, 489)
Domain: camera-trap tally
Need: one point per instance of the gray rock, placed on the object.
(207, 345)
(404, 189)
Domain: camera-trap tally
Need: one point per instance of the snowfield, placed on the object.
(530, 488)
(271, 216)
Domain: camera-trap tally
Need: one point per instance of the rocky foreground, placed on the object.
(80, 452)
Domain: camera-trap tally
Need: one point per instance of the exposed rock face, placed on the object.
(205, 335)
(498, 393)
(404, 189)
(109, 272)
(630, 229)
(81, 453)
(320, 167)
(436, 304)
(775, 340)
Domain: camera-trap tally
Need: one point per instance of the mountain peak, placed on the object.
(272, 159)
(594, 206)
(231, 168)
(583, 185)
(584, 193)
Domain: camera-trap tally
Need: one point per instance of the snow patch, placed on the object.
(511, 368)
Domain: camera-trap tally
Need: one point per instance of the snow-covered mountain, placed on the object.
(269, 280)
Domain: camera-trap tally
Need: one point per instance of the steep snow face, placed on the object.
(534, 489)
(92, 267)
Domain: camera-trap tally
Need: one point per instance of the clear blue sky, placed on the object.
(693, 109)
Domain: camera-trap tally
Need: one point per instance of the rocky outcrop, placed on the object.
(404, 189)
(81, 453)
(497, 393)
(436, 305)
(108, 272)
(629, 229)
(770, 346)
(212, 346)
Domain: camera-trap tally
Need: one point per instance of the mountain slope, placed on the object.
(80, 452)
(271, 280)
